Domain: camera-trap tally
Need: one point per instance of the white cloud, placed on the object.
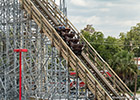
(104, 9)
(79, 3)
(93, 20)
(127, 22)
(77, 19)
(85, 20)
(109, 4)
(112, 17)
(109, 25)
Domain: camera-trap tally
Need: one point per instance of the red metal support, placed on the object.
(20, 68)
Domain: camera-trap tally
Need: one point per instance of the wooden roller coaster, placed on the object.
(76, 50)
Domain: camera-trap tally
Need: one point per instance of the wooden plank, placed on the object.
(99, 74)
(48, 13)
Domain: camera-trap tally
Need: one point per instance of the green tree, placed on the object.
(86, 34)
(118, 52)
(111, 48)
(131, 39)
(123, 64)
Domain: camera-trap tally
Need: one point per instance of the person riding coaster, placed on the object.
(77, 47)
(60, 28)
(71, 35)
(70, 38)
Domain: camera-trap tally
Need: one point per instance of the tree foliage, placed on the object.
(132, 39)
(118, 52)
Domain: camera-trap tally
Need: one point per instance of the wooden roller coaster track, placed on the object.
(89, 63)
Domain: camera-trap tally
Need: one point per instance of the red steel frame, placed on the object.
(20, 68)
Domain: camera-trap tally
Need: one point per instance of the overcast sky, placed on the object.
(108, 16)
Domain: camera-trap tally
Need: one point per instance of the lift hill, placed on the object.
(48, 17)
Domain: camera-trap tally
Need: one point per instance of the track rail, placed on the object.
(117, 82)
(47, 16)
(65, 51)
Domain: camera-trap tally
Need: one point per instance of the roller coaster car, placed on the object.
(71, 35)
(74, 40)
(60, 29)
(77, 48)
(67, 30)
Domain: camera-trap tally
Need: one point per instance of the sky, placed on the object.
(108, 16)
